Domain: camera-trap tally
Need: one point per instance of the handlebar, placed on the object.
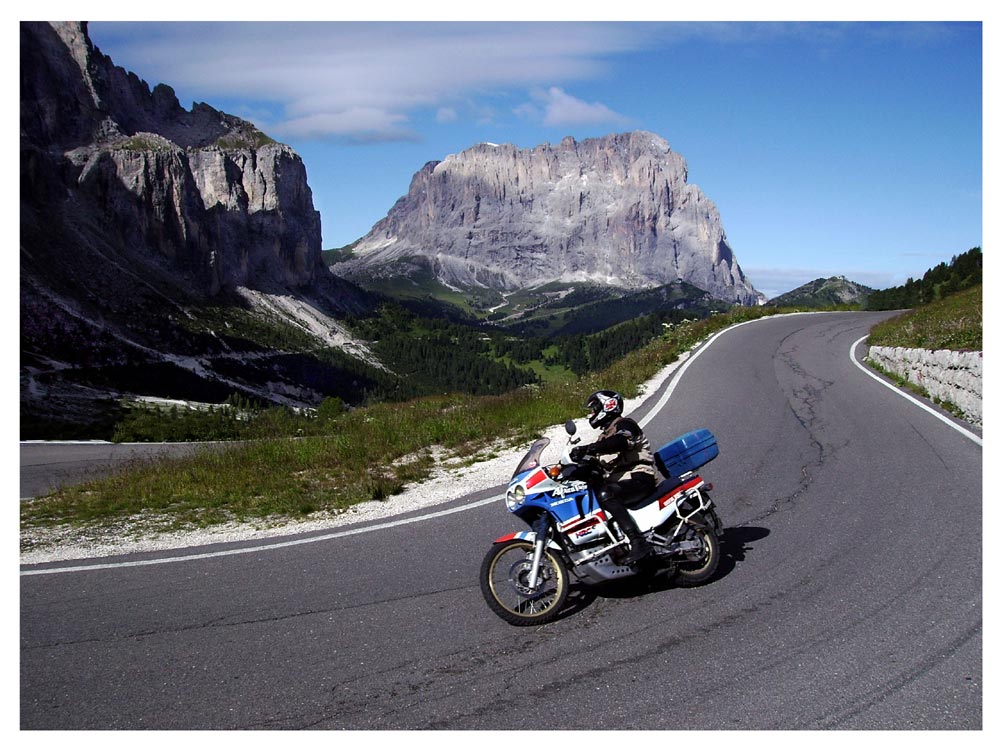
(586, 465)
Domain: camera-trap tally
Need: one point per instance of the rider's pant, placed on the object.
(612, 494)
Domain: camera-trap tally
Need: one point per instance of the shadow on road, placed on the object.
(733, 546)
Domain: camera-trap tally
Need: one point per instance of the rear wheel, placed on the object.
(503, 579)
(698, 565)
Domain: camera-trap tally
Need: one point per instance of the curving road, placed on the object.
(850, 594)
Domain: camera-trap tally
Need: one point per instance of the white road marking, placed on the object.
(261, 547)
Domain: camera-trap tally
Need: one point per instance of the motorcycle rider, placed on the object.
(630, 473)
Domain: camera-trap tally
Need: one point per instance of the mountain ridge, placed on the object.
(822, 292)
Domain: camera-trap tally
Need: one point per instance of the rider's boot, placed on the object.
(641, 548)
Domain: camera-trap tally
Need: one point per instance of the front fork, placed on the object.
(541, 529)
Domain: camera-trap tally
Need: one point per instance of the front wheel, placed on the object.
(699, 565)
(503, 578)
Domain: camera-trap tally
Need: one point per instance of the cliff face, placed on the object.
(615, 210)
(225, 218)
(150, 234)
(204, 192)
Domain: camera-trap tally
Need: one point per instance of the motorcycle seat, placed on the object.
(663, 488)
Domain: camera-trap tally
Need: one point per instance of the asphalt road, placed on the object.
(46, 466)
(849, 596)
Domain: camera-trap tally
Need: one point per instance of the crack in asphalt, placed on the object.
(804, 397)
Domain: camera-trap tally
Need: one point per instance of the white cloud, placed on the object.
(360, 124)
(367, 80)
(562, 109)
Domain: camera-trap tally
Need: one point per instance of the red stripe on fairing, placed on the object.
(538, 476)
(667, 499)
(507, 538)
(585, 523)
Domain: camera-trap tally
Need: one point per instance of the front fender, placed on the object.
(528, 536)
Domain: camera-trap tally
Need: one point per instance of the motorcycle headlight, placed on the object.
(515, 497)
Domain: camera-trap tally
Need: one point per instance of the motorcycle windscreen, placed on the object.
(532, 459)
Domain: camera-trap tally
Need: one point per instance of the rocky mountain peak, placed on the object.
(615, 210)
(101, 102)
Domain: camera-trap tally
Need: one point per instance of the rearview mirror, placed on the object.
(570, 427)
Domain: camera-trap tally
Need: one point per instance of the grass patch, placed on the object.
(247, 140)
(954, 323)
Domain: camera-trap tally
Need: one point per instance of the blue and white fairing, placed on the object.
(535, 487)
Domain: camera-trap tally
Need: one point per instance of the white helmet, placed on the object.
(604, 407)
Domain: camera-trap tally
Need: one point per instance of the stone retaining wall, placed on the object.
(946, 375)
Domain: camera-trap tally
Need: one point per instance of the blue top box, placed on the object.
(686, 453)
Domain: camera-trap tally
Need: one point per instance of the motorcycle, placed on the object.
(525, 575)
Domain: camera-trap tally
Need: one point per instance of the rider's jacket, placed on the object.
(633, 456)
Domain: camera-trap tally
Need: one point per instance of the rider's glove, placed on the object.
(577, 453)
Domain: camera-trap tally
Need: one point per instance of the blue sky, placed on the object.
(851, 148)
